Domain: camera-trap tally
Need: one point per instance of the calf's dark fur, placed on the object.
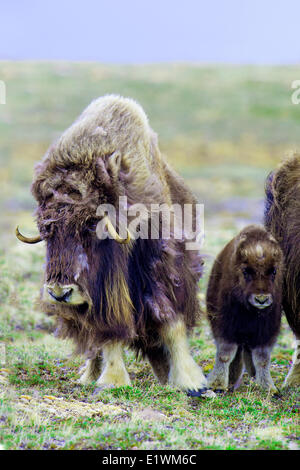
(244, 307)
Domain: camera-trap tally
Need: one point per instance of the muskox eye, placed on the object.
(46, 229)
(248, 273)
(91, 225)
(75, 195)
(271, 272)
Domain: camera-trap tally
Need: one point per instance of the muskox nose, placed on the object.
(262, 298)
(60, 294)
(260, 301)
(67, 294)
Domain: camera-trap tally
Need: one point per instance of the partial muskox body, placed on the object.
(142, 293)
(282, 219)
(244, 307)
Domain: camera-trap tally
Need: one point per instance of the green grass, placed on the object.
(223, 129)
(39, 367)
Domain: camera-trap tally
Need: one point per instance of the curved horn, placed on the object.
(111, 230)
(27, 239)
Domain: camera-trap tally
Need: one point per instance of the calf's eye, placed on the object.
(271, 272)
(248, 273)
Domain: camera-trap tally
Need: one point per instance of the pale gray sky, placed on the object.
(132, 31)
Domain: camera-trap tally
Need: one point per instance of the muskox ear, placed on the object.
(271, 238)
(113, 164)
(238, 242)
(109, 167)
(102, 173)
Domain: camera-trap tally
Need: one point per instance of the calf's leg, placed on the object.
(261, 357)
(236, 369)
(219, 377)
(247, 355)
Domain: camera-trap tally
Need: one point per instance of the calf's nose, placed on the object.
(262, 298)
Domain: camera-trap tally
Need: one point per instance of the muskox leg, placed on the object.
(236, 369)
(261, 359)
(218, 379)
(247, 354)
(159, 359)
(114, 372)
(293, 377)
(91, 370)
(184, 372)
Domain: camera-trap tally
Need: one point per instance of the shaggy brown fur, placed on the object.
(282, 219)
(131, 290)
(244, 306)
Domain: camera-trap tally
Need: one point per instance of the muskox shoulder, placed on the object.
(109, 144)
(108, 125)
(111, 121)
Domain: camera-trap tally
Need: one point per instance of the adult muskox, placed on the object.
(107, 293)
(282, 219)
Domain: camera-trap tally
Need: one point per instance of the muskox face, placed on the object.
(67, 268)
(73, 256)
(259, 271)
(71, 250)
(76, 259)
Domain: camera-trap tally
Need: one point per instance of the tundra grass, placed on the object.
(42, 374)
(223, 129)
(43, 407)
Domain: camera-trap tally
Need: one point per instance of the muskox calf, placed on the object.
(282, 219)
(244, 307)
